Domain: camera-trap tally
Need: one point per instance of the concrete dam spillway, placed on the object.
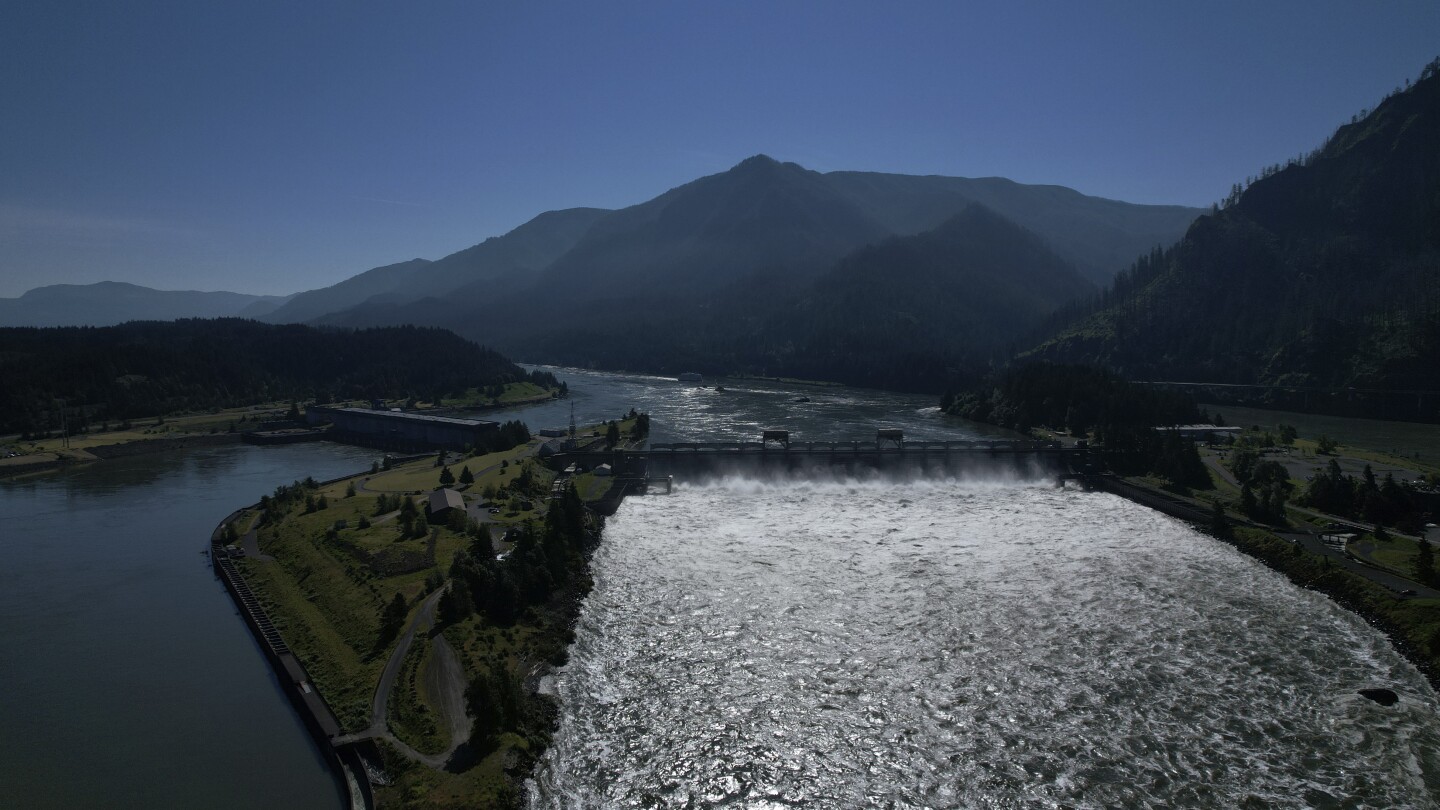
(693, 461)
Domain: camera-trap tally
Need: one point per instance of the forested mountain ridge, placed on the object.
(142, 369)
(763, 225)
(1324, 273)
(709, 274)
(110, 302)
(353, 291)
(915, 313)
(1099, 236)
(500, 263)
(701, 235)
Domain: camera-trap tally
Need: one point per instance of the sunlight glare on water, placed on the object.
(965, 644)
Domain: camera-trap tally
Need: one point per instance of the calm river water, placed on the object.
(128, 679)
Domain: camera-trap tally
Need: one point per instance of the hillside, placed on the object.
(141, 369)
(1324, 273)
(500, 262)
(685, 278)
(107, 303)
(913, 312)
(1099, 236)
(378, 281)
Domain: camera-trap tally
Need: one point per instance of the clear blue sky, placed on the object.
(273, 147)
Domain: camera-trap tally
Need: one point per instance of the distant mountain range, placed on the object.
(1324, 273)
(909, 312)
(755, 270)
(762, 217)
(765, 268)
(107, 303)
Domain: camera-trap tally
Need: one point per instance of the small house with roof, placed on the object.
(440, 503)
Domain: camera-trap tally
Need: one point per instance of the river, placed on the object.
(128, 678)
(685, 412)
(936, 642)
(961, 643)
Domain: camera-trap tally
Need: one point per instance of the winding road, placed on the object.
(444, 681)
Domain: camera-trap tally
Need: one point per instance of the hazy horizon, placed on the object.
(272, 150)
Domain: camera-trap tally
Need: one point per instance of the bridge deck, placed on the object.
(702, 458)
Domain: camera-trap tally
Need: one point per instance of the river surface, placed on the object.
(689, 412)
(129, 680)
(127, 677)
(965, 644)
(830, 644)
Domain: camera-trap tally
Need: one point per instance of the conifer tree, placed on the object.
(1425, 562)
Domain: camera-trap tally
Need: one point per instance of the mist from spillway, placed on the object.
(965, 644)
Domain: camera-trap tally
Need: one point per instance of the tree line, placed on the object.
(1090, 402)
(146, 368)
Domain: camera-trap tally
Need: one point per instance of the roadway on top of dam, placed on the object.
(863, 446)
(676, 457)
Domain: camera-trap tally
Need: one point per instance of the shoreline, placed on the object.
(358, 764)
(60, 459)
(1331, 582)
(352, 780)
(1348, 590)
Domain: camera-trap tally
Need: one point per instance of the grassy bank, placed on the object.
(1412, 624)
(333, 559)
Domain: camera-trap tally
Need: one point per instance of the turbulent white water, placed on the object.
(953, 644)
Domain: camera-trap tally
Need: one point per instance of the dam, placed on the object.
(775, 454)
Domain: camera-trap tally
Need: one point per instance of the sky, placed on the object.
(272, 147)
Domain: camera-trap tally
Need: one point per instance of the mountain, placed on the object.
(973, 284)
(760, 232)
(729, 248)
(512, 260)
(1324, 273)
(500, 262)
(1099, 236)
(911, 312)
(378, 281)
(760, 214)
(107, 303)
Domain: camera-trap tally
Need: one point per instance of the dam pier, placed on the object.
(636, 470)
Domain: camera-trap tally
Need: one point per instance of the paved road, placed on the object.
(1312, 543)
(250, 541)
(448, 690)
(1356, 561)
(445, 685)
(1394, 582)
(1213, 462)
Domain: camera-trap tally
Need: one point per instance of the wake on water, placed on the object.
(986, 639)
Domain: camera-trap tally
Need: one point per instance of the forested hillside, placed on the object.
(729, 273)
(142, 369)
(106, 303)
(1324, 273)
(913, 313)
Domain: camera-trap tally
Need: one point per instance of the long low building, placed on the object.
(401, 430)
